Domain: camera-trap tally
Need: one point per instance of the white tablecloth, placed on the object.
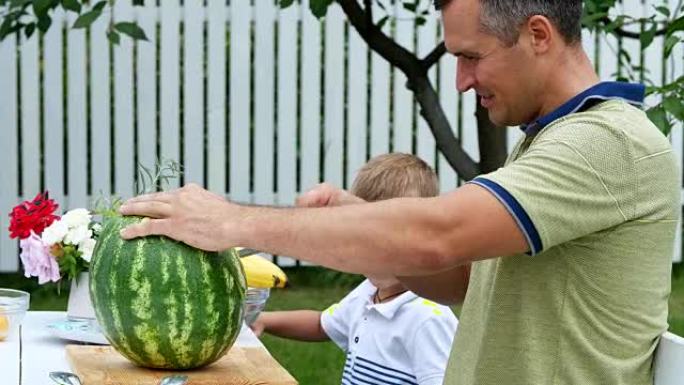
(27, 357)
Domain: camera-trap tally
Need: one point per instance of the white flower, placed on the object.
(54, 233)
(77, 218)
(86, 248)
(77, 235)
(97, 227)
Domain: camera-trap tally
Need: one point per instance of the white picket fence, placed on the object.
(257, 103)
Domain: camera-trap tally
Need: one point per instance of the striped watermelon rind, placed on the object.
(163, 304)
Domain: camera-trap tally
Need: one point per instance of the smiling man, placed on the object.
(563, 255)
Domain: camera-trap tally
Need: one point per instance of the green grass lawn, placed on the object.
(311, 288)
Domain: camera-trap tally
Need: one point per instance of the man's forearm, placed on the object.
(399, 236)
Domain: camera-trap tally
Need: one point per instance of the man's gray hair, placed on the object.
(503, 18)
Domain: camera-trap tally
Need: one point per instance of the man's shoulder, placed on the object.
(610, 125)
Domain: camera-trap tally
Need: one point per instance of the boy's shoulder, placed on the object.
(422, 309)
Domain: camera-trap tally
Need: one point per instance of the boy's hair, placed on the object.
(395, 175)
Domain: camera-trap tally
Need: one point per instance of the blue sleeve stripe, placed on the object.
(516, 210)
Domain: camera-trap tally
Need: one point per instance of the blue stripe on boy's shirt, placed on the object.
(375, 364)
(516, 210)
(347, 380)
(377, 379)
(390, 378)
(372, 381)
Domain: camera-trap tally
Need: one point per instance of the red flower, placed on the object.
(33, 215)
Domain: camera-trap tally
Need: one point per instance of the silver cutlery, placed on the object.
(174, 380)
(65, 378)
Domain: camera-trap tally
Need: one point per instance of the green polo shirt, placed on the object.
(597, 194)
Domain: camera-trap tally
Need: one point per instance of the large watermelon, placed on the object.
(163, 304)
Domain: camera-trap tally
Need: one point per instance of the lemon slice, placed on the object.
(4, 327)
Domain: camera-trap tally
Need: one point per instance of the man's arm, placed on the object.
(447, 288)
(403, 237)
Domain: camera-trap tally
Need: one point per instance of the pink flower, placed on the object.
(37, 260)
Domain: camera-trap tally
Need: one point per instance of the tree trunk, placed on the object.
(492, 141)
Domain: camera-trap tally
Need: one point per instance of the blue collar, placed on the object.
(631, 93)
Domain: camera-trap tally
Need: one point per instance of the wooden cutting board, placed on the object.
(102, 365)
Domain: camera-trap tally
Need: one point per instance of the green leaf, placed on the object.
(675, 106)
(131, 29)
(44, 23)
(41, 7)
(114, 37)
(670, 43)
(5, 28)
(285, 3)
(659, 118)
(665, 11)
(29, 30)
(590, 20)
(320, 7)
(677, 25)
(72, 5)
(20, 3)
(410, 6)
(86, 19)
(617, 23)
(99, 6)
(420, 20)
(382, 22)
(647, 37)
(381, 4)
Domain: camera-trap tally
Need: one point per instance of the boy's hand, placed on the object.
(326, 194)
(258, 326)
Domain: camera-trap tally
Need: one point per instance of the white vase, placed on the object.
(80, 307)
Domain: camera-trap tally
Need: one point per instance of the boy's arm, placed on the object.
(302, 325)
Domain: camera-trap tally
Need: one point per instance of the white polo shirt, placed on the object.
(404, 341)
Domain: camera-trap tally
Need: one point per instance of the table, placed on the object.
(28, 356)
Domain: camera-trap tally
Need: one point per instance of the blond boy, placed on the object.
(390, 334)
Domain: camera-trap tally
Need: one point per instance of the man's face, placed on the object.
(502, 76)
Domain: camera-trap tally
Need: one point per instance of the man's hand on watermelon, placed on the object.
(190, 214)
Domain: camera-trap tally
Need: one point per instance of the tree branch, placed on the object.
(628, 34)
(434, 56)
(419, 83)
(368, 4)
(377, 40)
(431, 110)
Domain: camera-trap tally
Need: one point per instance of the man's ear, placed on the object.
(540, 33)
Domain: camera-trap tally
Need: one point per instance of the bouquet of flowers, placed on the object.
(53, 246)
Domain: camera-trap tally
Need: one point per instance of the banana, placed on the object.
(262, 273)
